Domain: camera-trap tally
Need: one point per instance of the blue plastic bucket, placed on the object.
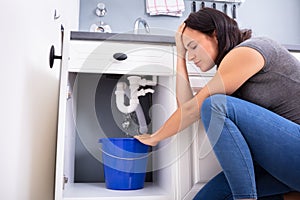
(125, 163)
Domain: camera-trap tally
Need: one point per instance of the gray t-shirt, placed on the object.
(277, 85)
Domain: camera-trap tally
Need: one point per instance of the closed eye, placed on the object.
(194, 47)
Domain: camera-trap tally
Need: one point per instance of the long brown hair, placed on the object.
(209, 20)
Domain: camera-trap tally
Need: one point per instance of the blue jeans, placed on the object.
(258, 150)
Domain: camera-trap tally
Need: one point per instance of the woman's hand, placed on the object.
(181, 51)
(147, 139)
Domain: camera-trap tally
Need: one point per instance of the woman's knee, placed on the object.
(206, 107)
(216, 103)
(213, 107)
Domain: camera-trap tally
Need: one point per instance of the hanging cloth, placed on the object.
(165, 7)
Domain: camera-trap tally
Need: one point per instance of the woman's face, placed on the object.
(201, 48)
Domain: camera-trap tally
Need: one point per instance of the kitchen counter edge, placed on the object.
(160, 39)
(94, 36)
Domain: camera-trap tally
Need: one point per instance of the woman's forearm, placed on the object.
(183, 88)
(183, 117)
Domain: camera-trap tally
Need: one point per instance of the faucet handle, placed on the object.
(101, 10)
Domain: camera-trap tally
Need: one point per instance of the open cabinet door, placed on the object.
(29, 90)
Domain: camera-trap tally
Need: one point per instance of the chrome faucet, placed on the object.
(136, 25)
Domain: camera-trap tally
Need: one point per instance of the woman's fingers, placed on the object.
(181, 51)
(146, 139)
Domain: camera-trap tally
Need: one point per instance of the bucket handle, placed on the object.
(142, 157)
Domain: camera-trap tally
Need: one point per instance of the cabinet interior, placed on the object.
(91, 114)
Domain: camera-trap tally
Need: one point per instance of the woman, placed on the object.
(250, 108)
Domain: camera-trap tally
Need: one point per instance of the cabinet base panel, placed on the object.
(97, 191)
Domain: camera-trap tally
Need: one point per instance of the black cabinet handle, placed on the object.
(52, 56)
(120, 56)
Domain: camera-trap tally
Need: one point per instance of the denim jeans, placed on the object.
(258, 150)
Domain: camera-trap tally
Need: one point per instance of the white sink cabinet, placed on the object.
(171, 159)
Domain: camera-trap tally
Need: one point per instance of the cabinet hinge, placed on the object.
(65, 181)
(69, 92)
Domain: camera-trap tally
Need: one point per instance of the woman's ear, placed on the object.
(214, 35)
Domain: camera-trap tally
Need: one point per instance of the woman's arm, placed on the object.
(238, 66)
(183, 88)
